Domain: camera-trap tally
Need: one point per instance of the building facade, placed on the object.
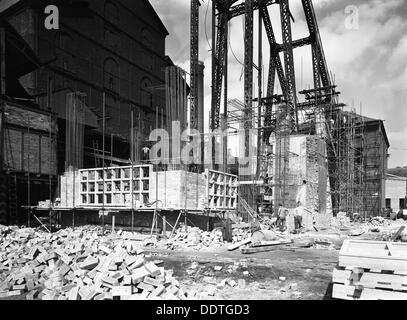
(93, 91)
(396, 192)
(113, 55)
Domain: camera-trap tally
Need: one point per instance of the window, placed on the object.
(388, 203)
(146, 95)
(111, 74)
(112, 12)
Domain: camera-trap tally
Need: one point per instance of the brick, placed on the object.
(83, 292)
(64, 269)
(32, 295)
(157, 291)
(137, 264)
(122, 291)
(153, 269)
(127, 281)
(145, 294)
(110, 281)
(145, 286)
(130, 260)
(152, 281)
(100, 296)
(89, 263)
(108, 296)
(105, 249)
(139, 275)
(14, 293)
(19, 287)
(92, 294)
(74, 294)
(172, 290)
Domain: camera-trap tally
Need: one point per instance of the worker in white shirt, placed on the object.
(298, 212)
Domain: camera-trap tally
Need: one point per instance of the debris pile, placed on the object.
(195, 238)
(379, 221)
(241, 232)
(324, 244)
(80, 264)
(341, 221)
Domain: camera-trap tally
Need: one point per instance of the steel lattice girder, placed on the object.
(221, 39)
(289, 61)
(194, 63)
(315, 38)
(240, 8)
(275, 61)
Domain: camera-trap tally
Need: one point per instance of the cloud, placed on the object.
(368, 63)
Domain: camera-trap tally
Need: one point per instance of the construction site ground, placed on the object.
(286, 272)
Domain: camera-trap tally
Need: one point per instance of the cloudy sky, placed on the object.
(365, 43)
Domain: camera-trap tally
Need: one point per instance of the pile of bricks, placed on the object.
(241, 232)
(195, 238)
(80, 264)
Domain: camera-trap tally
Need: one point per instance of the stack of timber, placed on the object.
(371, 270)
(80, 264)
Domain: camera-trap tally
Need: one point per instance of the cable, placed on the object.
(206, 31)
(231, 49)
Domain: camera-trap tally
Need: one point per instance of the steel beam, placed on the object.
(248, 70)
(289, 62)
(194, 63)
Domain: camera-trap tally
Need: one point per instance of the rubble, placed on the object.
(79, 264)
(195, 238)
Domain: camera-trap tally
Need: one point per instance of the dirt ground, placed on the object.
(300, 274)
(286, 273)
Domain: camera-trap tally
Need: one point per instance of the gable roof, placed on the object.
(5, 4)
(156, 17)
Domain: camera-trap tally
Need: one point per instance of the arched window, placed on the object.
(111, 12)
(111, 74)
(146, 93)
(65, 51)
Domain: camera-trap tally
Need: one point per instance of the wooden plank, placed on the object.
(377, 255)
(269, 244)
(398, 233)
(239, 244)
(263, 249)
(370, 280)
(398, 266)
(352, 293)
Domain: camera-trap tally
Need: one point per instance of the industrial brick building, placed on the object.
(103, 71)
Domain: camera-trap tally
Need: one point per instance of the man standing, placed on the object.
(282, 218)
(298, 217)
(301, 201)
(302, 194)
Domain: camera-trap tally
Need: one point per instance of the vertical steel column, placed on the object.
(213, 88)
(260, 92)
(248, 73)
(289, 62)
(194, 63)
(3, 61)
(225, 96)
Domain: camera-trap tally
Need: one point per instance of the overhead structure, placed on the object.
(279, 114)
(194, 64)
